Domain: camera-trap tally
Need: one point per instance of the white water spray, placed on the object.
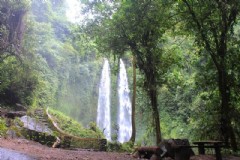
(103, 112)
(125, 107)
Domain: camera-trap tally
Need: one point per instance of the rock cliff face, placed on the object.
(11, 28)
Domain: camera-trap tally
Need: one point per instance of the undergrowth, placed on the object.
(118, 147)
(73, 127)
(3, 128)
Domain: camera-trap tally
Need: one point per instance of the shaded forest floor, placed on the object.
(41, 152)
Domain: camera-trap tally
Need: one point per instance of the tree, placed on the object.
(133, 137)
(17, 81)
(212, 24)
(11, 26)
(137, 26)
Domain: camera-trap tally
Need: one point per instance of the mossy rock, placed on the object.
(43, 138)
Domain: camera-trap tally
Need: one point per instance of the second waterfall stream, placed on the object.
(125, 107)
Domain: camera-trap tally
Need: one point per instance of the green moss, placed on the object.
(73, 127)
(18, 122)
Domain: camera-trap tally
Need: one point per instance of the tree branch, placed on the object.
(203, 35)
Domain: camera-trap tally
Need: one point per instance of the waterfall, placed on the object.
(103, 112)
(125, 108)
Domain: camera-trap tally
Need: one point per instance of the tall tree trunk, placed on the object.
(134, 101)
(155, 113)
(225, 119)
(152, 92)
(225, 92)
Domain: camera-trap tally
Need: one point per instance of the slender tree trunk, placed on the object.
(134, 101)
(151, 86)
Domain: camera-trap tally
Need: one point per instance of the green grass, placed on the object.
(72, 127)
(3, 128)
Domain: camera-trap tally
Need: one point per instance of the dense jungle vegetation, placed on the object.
(182, 59)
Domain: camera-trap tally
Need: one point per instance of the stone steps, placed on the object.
(42, 117)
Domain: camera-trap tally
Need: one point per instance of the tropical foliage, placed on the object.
(186, 56)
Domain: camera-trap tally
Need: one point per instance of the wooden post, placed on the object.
(201, 149)
(217, 151)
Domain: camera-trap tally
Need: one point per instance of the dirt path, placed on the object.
(41, 152)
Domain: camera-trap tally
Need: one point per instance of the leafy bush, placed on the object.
(116, 146)
(93, 126)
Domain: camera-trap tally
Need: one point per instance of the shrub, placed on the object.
(3, 128)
